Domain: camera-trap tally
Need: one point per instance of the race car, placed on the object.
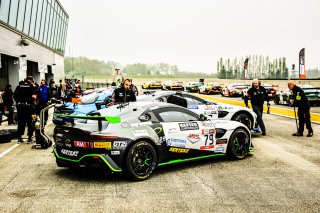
(193, 86)
(152, 85)
(139, 137)
(171, 85)
(271, 91)
(233, 89)
(312, 93)
(210, 88)
(212, 109)
(89, 102)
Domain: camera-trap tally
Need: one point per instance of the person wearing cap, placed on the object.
(300, 100)
(25, 107)
(258, 95)
(117, 77)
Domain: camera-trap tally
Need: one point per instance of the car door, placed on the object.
(183, 130)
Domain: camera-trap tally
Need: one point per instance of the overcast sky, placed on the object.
(193, 34)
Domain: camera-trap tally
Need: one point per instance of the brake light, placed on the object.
(96, 157)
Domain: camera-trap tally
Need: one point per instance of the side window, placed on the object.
(193, 100)
(174, 116)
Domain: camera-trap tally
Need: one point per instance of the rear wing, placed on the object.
(110, 119)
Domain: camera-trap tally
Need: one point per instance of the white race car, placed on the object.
(138, 137)
(211, 109)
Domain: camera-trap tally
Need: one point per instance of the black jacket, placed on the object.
(23, 93)
(120, 95)
(299, 97)
(258, 96)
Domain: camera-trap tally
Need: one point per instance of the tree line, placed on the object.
(77, 66)
(258, 67)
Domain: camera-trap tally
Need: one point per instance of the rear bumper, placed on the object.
(89, 160)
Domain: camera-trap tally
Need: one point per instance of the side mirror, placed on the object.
(202, 117)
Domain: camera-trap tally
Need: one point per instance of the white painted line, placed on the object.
(8, 150)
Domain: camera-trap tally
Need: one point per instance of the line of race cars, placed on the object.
(137, 137)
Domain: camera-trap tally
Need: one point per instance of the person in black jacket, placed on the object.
(23, 98)
(7, 97)
(300, 100)
(258, 95)
(124, 93)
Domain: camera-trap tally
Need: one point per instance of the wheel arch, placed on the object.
(248, 132)
(153, 144)
(244, 112)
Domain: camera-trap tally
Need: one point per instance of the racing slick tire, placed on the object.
(141, 161)
(239, 144)
(244, 119)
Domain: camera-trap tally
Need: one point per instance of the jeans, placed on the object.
(259, 111)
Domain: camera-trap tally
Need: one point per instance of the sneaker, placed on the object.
(256, 129)
(29, 141)
(264, 133)
(310, 134)
(297, 134)
(20, 140)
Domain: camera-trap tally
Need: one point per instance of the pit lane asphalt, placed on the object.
(283, 175)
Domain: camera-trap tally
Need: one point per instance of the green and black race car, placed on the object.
(142, 136)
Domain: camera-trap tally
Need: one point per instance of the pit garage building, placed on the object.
(32, 40)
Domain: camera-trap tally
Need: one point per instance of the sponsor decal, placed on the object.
(141, 132)
(83, 144)
(70, 153)
(176, 142)
(67, 141)
(206, 147)
(222, 141)
(178, 150)
(219, 148)
(208, 131)
(119, 144)
(106, 145)
(207, 124)
(172, 130)
(193, 138)
(115, 152)
(209, 108)
(193, 107)
(188, 126)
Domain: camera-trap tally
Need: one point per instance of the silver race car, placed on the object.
(138, 137)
